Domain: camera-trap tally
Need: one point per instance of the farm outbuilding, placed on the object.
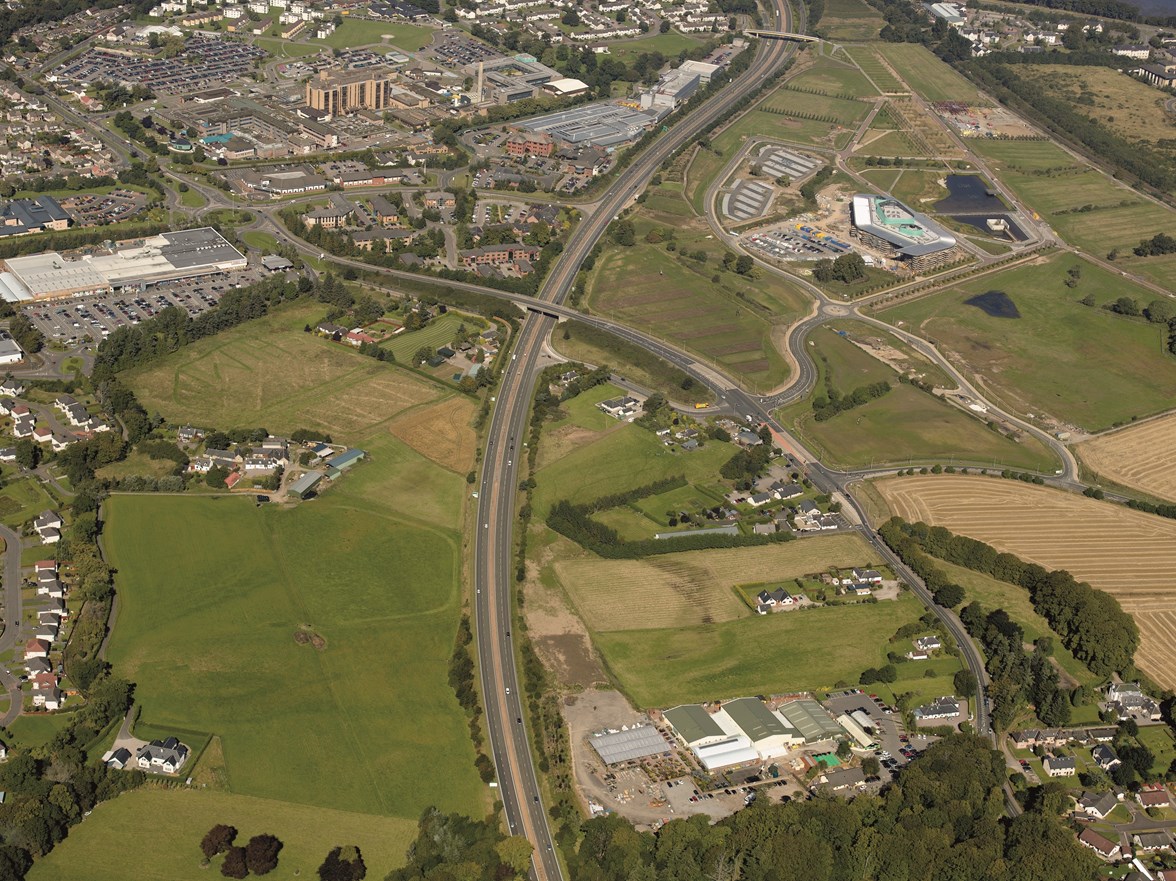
(638, 742)
(305, 484)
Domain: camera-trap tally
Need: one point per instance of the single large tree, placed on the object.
(261, 854)
(235, 865)
(343, 864)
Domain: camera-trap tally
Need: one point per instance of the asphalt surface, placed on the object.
(12, 618)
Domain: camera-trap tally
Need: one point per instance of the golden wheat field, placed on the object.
(1127, 553)
(695, 587)
(1142, 457)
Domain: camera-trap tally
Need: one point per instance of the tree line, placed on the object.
(1090, 622)
(827, 406)
(942, 818)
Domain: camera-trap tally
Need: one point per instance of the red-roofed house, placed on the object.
(357, 338)
(36, 648)
(46, 566)
(1153, 797)
(233, 479)
(1101, 845)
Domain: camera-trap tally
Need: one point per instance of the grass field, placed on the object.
(870, 61)
(96, 850)
(769, 654)
(843, 111)
(27, 732)
(731, 322)
(669, 44)
(928, 75)
(1142, 457)
(438, 332)
(591, 464)
(837, 77)
(354, 33)
(889, 142)
(286, 49)
(269, 373)
(906, 424)
(136, 464)
(1127, 553)
(23, 500)
(687, 589)
(850, 20)
(381, 589)
(192, 199)
(263, 241)
(1079, 364)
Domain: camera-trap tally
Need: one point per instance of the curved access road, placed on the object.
(494, 563)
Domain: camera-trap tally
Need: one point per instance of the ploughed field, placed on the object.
(1129, 554)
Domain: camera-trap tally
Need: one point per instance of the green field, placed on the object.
(22, 500)
(27, 732)
(286, 49)
(97, 849)
(870, 62)
(1055, 184)
(352, 33)
(905, 425)
(269, 373)
(136, 464)
(355, 726)
(890, 143)
(615, 460)
(438, 332)
(263, 241)
(193, 199)
(730, 323)
(849, 20)
(835, 77)
(1076, 363)
(843, 111)
(913, 679)
(669, 44)
(769, 654)
(928, 75)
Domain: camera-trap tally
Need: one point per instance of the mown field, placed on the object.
(846, 112)
(352, 33)
(97, 849)
(269, 373)
(731, 322)
(1088, 208)
(836, 76)
(850, 20)
(787, 651)
(905, 425)
(1142, 457)
(927, 74)
(1127, 553)
(668, 44)
(686, 589)
(870, 61)
(1079, 364)
(372, 567)
(438, 332)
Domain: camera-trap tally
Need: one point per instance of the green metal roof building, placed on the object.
(756, 721)
(693, 724)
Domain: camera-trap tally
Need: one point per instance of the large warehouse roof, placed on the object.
(624, 746)
(755, 719)
(49, 273)
(811, 719)
(911, 233)
(734, 751)
(692, 723)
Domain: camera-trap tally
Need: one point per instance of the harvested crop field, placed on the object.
(1129, 554)
(440, 432)
(1142, 457)
(694, 587)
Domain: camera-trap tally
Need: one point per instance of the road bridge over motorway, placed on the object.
(782, 35)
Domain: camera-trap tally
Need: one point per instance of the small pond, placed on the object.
(998, 304)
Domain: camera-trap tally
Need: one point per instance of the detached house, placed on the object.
(167, 756)
(48, 527)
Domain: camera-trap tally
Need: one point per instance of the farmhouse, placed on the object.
(167, 756)
(928, 643)
(1097, 805)
(777, 597)
(1101, 845)
(1060, 766)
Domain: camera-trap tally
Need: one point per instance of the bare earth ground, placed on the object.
(1142, 457)
(1129, 554)
(440, 432)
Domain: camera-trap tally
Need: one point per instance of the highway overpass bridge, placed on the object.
(782, 35)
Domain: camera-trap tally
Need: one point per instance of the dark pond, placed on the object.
(968, 194)
(995, 303)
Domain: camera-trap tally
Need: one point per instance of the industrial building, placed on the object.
(602, 124)
(337, 92)
(884, 223)
(566, 88)
(10, 350)
(165, 257)
(948, 12)
(504, 80)
(702, 69)
(746, 730)
(672, 89)
(22, 216)
(629, 744)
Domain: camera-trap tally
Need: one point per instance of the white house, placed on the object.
(1060, 766)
